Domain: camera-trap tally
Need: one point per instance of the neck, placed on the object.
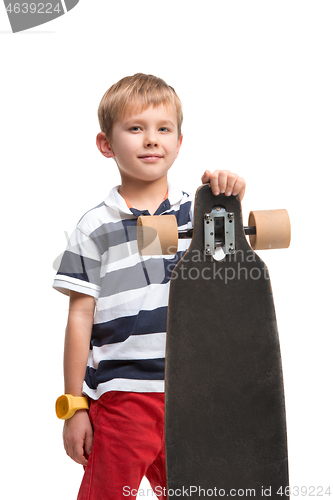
(144, 195)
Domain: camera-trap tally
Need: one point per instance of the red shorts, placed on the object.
(128, 444)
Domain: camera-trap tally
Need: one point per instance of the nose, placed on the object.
(151, 140)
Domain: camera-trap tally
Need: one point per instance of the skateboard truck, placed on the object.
(219, 231)
(158, 235)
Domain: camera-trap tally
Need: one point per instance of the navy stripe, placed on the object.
(113, 234)
(139, 369)
(137, 212)
(165, 205)
(169, 264)
(116, 233)
(79, 267)
(183, 214)
(151, 271)
(129, 278)
(118, 330)
(148, 272)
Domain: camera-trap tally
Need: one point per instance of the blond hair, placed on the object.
(139, 91)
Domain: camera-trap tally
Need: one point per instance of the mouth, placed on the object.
(150, 157)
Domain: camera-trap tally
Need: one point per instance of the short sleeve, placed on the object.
(80, 265)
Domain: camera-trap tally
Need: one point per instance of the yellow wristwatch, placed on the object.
(67, 405)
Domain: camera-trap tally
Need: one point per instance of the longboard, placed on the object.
(225, 421)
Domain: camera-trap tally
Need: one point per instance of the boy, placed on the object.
(115, 336)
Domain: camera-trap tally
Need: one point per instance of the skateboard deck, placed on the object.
(225, 424)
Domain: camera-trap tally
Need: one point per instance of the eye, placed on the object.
(164, 129)
(135, 128)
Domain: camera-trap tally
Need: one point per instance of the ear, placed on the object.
(102, 142)
(180, 141)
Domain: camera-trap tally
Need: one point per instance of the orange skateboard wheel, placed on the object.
(272, 229)
(157, 235)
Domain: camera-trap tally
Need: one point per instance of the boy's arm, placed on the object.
(78, 434)
(223, 181)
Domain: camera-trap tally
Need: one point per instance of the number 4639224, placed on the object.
(303, 491)
(33, 8)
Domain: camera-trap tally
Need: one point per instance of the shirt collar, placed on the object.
(116, 201)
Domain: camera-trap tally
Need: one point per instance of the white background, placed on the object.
(255, 79)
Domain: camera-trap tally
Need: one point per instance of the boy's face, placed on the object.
(145, 144)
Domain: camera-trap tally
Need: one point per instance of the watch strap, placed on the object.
(67, 405)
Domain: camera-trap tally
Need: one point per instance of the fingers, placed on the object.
(239, 188)
(75, 452)
(88, 443)
(223, 181)
(78, 437)
(206, 176)
(218, 181)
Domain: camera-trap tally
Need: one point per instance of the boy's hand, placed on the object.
(78, 437)
(223, 181)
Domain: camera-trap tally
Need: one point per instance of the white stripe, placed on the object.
(126, 255)
(65, 283)
(123, 384)
(96, 217)
(121, 256)
(183, 244)
(131, 302)
(146, 346)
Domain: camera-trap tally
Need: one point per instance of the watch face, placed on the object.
(62, 406)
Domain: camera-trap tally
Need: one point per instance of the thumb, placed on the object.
(206, 176)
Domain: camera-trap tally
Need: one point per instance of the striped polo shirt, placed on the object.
(127, 348)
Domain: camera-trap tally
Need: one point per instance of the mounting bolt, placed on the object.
(230, 215)
(207, 216)
(208, 251)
